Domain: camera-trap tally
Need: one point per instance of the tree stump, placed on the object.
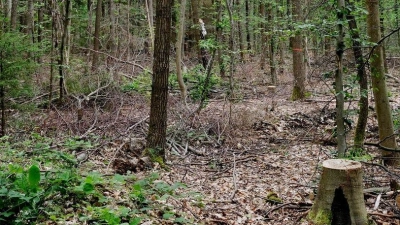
(340, 198)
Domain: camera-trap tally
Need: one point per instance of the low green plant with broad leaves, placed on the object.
(50, 187)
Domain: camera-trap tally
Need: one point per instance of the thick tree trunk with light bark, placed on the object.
(383, 110)
(340, 198)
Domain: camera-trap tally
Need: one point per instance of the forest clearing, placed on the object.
(199, 112)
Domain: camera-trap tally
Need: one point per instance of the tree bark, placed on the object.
(298, 92)
(340, 128)
(14, 14)
(271, 38)
(359, 134)
(340, 198)
(181, 31)
(63, 57)
(383, 110)
(156, 137)
(96, 37)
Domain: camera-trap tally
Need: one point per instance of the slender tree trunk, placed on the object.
(156, 137)
(298, 56)
(385, 65)
(271, 38)
(63, 58)
(3, 106)
(264, 37)
(111, 9)
(29, 20)
(340, 128)
(219, 35)
(383, 110)
(247, 25)
(195, 30)
(359, 135)
(229, 5)
(150, 15)
(178, 59)
(241, 29)
(96, 37)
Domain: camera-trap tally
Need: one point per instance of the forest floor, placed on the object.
(254, 160)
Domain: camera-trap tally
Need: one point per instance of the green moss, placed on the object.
(321, 218)
(155, 156)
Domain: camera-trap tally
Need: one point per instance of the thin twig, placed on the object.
(234, 177)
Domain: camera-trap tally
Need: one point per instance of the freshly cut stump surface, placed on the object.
(340, 198)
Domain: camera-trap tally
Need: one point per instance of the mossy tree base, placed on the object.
(340, 198)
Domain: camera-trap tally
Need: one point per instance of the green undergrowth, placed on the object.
(195, 79)
(44, 183)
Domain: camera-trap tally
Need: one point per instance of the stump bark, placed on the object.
(340, 198)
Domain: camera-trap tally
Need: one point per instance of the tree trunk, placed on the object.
(340, 129)
(271, 38)
(298, 92)
(195, 30)
(14, 14)
(359, 134)
(150, 14)
(385, 65)
(96, 37)
(179, 40)
(264, 38)
(219, 30)
(29, 20)
(111, 9)
(383, 110)
(340, 198)
(156, 137)
(241, 29)
(63, 58)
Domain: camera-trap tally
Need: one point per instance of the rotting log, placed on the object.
(340, 198)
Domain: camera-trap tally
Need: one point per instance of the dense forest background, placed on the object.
(194, 112)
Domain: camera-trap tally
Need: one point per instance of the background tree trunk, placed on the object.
(14, 14)
(298, 55)
(340, 129)
(156, 137)
(96, 37)
(383, 110)
(181, 31)
(359, 134)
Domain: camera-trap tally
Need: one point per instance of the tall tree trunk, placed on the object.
(383, 110)
(150, 15)
(385, 65)
(195, 30)
(298, 55)
(111, 12)
(14, 14)
(63, 58)
(264, 37)
(29, 20)
(178, 59)
(271, 38)
(247, 25)
(96, 37)
(359, 135)
(241, 29)
(340, 128)
(156, 137)
(219, 30)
